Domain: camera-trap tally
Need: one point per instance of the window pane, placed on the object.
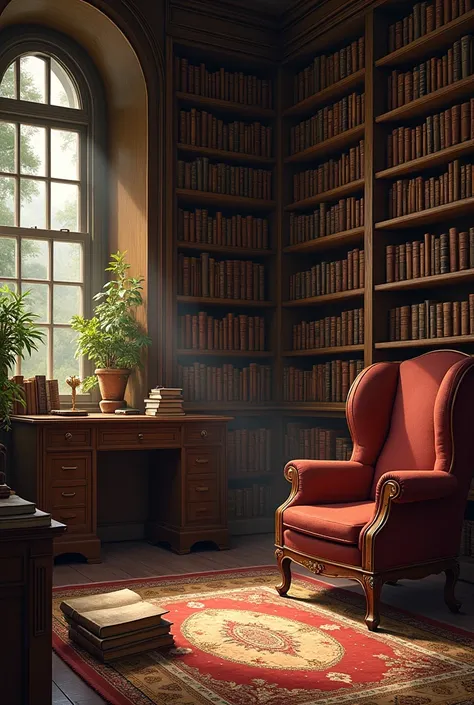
(7, 146)
(67, 302)
(33, 150)
(63, 91)
(8, 88)
(64, 154)
(8, 257)
(64, 362)
(37, 300)
(64, 206)
(11, 285)
(34, 259)
(7, 200)
(37, 364)
(67, 262)
(33, 203)
(33, 79)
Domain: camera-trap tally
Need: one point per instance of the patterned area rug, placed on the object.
(238, 643)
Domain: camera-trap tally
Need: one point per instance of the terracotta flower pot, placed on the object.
(112, 385)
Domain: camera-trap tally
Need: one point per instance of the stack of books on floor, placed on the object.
(18, 513)
(116, 624)
(164, 401)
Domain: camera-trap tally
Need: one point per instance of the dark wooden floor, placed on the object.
(138, 560)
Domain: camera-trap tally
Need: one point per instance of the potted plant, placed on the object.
(19, 336)
(113, 339)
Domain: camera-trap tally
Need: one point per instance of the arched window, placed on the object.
(49, 165)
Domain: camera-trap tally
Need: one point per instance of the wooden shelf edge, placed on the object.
(333, 194)
(227, 105)
(423, 44)
(224, 249)
(427, 215)
(314, 407)
(442, 156)
(326, 95)
(223, 302)
(326, 298)
(223, 199)
(333, 144)
(425, 342)
(324, 351)
(326, 242)
(225, 154)
(182, 352)
(427, 282)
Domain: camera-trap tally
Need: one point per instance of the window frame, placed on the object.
(90, 121)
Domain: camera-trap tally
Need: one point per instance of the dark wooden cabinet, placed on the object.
(26, 566)
(56, 460)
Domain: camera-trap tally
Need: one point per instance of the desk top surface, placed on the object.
(117, 419)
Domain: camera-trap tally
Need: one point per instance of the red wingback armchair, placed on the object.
(395, 510)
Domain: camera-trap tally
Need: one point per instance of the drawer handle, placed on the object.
(68, 436)
(202, 489)
(140, 436)
(202, 461)
(68, 494)
(68, 467)
(64, 517)
(204, 433)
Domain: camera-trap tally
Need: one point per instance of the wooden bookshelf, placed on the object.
(438, 214)
(224, 155)
(330, 94)
(322, 352)
(235, 109)
(442, 157)
(222, 200)
(465, 276)
(332, 195)
(224, 353)
(342, 239)
(330, 146)
(224, 249)
(426, 342)
(214, 301)
(326, 299)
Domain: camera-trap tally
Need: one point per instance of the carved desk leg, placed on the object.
(372, 585)
(284, 564)
(452, 575)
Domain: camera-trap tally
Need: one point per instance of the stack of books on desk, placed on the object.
(116, 624)
(18, 513)
(164, 401)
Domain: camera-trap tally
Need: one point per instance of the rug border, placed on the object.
(110, 693)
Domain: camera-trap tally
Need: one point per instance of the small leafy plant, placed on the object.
(19, 337)
(113, 338)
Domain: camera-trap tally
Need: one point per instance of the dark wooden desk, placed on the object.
(26, 568)
(55, 460)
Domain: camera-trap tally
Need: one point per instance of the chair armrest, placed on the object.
(418, 485)
(316, 481)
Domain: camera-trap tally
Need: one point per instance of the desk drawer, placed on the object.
(64, 468)
(137, 437)
(202, 461)
(203, 433)
(204, 489)
(65, 437)
(68, 496)
(75, 519)
(202, 513)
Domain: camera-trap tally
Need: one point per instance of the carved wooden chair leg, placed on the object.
(452, 575)
(284, 564)
(372, 585)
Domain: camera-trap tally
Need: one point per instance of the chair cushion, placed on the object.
(332, 522)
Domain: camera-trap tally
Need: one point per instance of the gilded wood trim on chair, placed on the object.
(390, 490)
(291, 474)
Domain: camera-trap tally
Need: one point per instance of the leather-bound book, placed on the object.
(456, 318)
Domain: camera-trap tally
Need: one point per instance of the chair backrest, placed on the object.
(404, 434)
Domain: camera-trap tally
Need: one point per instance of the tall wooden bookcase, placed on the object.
(412, 287)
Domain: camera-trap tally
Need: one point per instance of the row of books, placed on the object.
(200, 175)
(249, 450)
(164, 401)
(347, 213)
(222, 84)
(41, 395)
(448, 252)
(202, 129)
(445, 129)
(329, 277)
(418, 193)
(231, 332)
(232, 231)
(331, 331)
(327, 122)
(326, 382)
(227, 279)
(431, 75)
(317, 443)
(432, 319)
(249, 502)
(326, 69)
(226, 383)
(331, 174)
(424, 18)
